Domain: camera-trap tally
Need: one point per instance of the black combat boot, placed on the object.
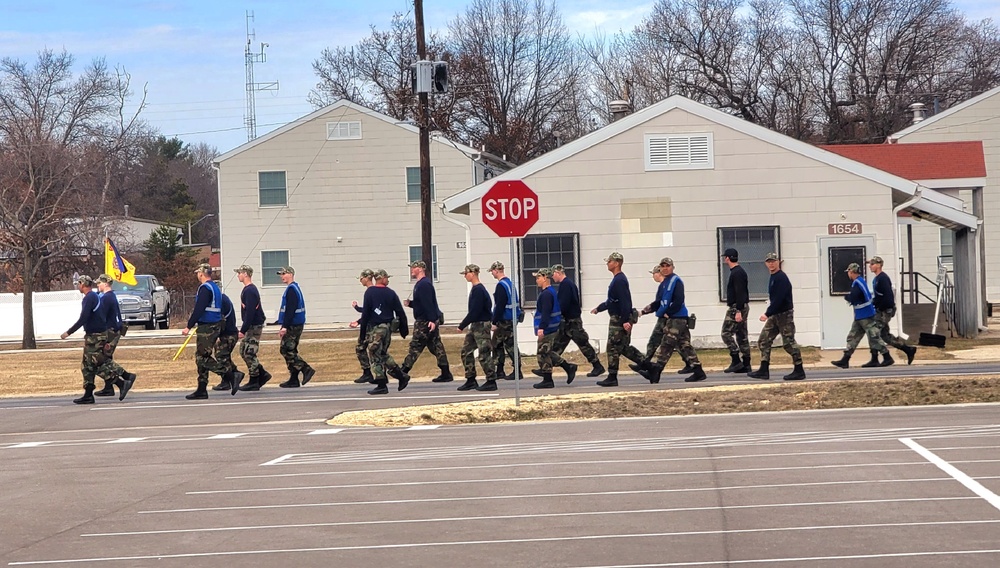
(262, 376)
(236, 376)
(200, 393)
(124, 384)
(108, 390)
(746, 365)
(762, 372)
(224, 384)
(381, 387)
(598, 369)
(886, 359)
(687, 370)
(797, 374)
(844, 362)
(546, 382)
(699, 375)
(400, 375)
(515, 374)
(910, 352)
(489, 385)
(88, 396)
(253, 384)
(536, 372)
(611, 381)
(445, 376)
(642, 367)
(570, 369)
(874, 361)
(655, 370)
(735, 366)
(470, 383)
(366, 377)
(293, 380)
(307, 374)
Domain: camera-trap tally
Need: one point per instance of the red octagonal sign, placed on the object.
(510, 208)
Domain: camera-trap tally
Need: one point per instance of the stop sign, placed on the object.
(510, 208)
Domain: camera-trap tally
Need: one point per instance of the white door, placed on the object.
(835, 253)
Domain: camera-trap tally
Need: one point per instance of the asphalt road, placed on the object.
(259, 480)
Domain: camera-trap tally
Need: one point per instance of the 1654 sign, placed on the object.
(844, 228)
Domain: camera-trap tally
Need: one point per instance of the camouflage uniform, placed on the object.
(620, 344)
(207, 338)
(860, 328)
(224, 351)
(290, 348)
(677, 336)
(423, 337)
(249, 346)
(655, 338)
(572, 329)
(779, 324)
(882, 319)
(503, 343)
(478, 337)
(547, 356)
(734, 334)
(361, 350)
(110, 369)
(379, 338)
(94, 356)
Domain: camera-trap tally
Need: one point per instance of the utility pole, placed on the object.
(423, 123)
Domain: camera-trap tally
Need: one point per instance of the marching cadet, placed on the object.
(207, 315)
(734, 326)
(95, 337)
(547, 320)
(656, 337)
(621, 317)
(381, 304)
(224, 348)
(571, 328)
(676, 334)
(292, 317)
(885, 308)
(252, 314)
(864, 323)
(504, 298)
(478, 336)
(779, 319)
(427, 317)
(111, 372)
(361, 349)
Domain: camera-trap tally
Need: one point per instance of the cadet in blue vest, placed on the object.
(504, 320)
(207, 316)
(864, 323)
(547, 320)
(292, 317)
(677, 335)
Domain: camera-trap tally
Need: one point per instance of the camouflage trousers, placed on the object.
(361, 350)
(655, 338)
(734, 333)
(110, 370)
(882, 319)
(478, 337)
(379, 338)
(782, 324)
(224, 350)
(620, 344)
(547, 356)
(290, 348)
(860, 328)
(96, 360)
(503, 344)
(677, 337)
(572, 329)
(204, 355)
(423, 338)
(249, 346)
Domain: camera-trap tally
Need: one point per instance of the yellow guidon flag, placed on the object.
(116, 266)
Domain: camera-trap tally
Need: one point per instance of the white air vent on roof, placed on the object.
(343, 130)
(679, 152)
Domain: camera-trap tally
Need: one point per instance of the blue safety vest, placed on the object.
(508, 313)
(300, 314)
(668, 298)
(867, 309)
(555, 318)
(213, 313)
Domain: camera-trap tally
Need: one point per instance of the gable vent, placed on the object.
(679, 152)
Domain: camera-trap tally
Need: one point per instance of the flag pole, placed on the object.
(185, 344)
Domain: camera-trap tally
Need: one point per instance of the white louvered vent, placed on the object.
(343, 130)
(679, 152)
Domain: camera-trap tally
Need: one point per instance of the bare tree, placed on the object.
(54, 141)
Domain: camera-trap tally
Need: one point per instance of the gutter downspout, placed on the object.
(899, 253)
(468, 235)
(218, 189)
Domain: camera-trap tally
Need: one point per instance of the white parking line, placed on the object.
(959, 475)
(327, 431)
(28, 445)
(226, 436)
(425, 427)
(190, 405)
(804, 559)
(124, 440)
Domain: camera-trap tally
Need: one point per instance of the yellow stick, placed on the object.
(185, 344)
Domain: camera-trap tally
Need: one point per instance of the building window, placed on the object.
(272, 189)
(413, 185)
(270, 262)
(753, 244)
(543, 251)
(417, 253)
(684, 152)
(947, 245)
(343, 130)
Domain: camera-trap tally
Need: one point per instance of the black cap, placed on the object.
(731, 254)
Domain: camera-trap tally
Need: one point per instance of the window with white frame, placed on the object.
(679, 152)
(270, 262)
(413, 185)
(752, 244)
(417, 253)
(343, 130)
(272, 189)
(947, 244)
(544, 251)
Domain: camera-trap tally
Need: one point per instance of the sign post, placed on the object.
(510, 209)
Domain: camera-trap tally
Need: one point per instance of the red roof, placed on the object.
(215, 260)
(931, 160)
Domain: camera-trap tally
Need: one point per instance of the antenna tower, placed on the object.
(250, 114)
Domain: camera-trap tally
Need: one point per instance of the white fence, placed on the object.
(54, 313)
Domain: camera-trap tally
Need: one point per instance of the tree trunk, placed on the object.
(28, 330)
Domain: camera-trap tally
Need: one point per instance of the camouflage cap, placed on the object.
(497, 266)
(771, 256)
(474, 268)
(367, 273)
(203, 268)
(615, 256)
(381, 273)
(666, 261)
(418, 264)
(655, 270)
(546, 272)
(105, 279)
(286, 270)
(854, 267)
(558, 268)
(245, 269)
(85, 280)
(875, 260)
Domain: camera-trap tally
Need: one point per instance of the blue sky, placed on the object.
(190, 54)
